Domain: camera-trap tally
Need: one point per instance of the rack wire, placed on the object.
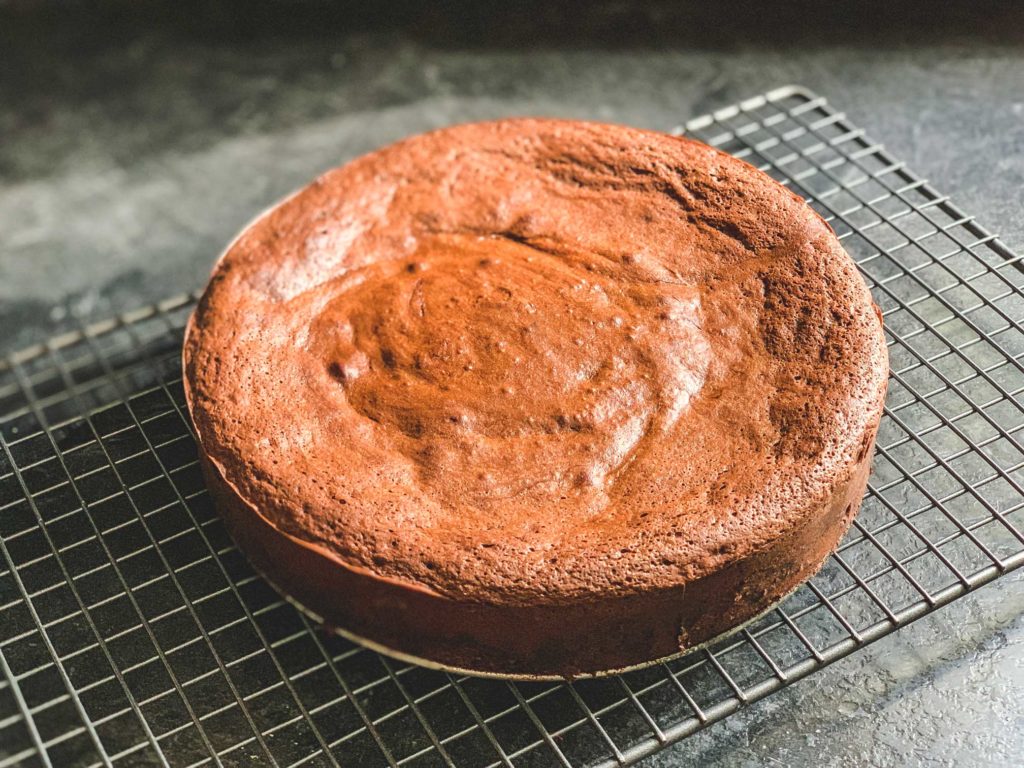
(133, 632)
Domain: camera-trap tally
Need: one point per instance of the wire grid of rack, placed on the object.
(133, 632)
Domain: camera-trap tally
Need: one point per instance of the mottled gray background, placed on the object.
(135, 140)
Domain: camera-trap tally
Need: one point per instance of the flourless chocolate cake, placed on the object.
(537, 397)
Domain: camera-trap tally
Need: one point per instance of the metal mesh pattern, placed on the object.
(132, 632)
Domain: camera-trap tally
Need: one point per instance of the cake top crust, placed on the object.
(527, 360)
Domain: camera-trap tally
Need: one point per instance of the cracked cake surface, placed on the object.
(537, 396)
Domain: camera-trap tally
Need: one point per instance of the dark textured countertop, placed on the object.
(131, 150)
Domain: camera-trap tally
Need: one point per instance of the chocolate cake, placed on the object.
(537, 397)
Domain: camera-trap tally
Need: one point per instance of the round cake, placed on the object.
(537, 397)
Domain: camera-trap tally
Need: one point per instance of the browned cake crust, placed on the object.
(537, 397)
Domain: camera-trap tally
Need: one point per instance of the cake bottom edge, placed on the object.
(492, 674)
(607, 635)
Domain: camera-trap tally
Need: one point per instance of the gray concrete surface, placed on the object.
(132, 150)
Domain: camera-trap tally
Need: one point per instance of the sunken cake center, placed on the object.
(500, 368)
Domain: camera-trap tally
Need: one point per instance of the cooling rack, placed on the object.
(132, 632)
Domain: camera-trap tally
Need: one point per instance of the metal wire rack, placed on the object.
(132, 632)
